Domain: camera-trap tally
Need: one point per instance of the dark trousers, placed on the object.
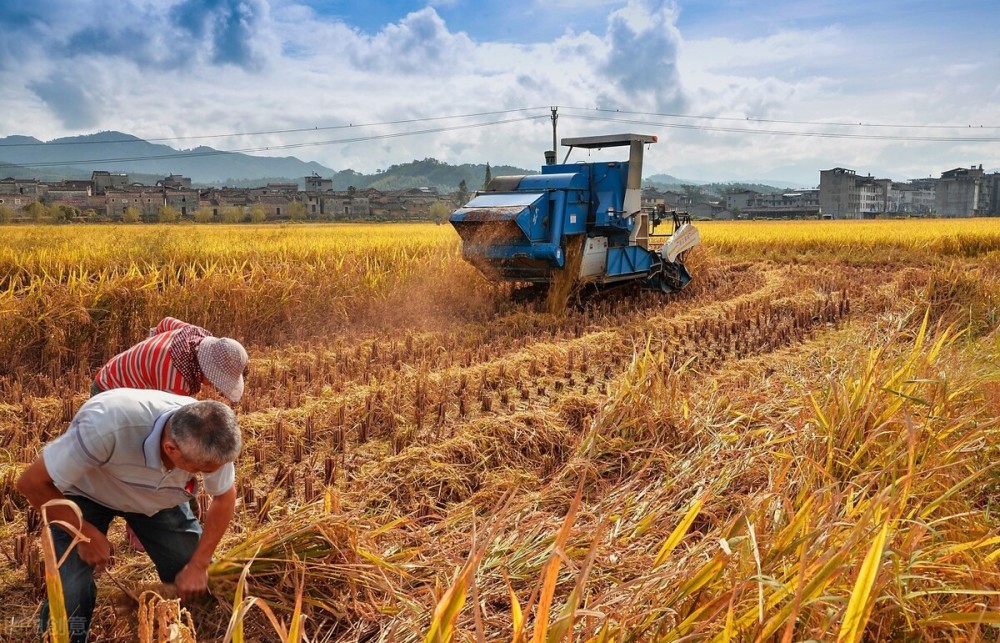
(169, 536)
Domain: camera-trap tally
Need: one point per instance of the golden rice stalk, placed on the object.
(859, 607)
(516, 615)
(551, 572)
(336, 554)
(242, 605)
(679, 531)
(562, 627)
(58, 619)
(448, 608)
(964, 618)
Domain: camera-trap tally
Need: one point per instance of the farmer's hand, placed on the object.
(97, 552)
(192, 580)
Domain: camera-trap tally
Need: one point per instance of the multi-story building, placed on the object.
(674, 200)
(845, 195)
(839, 197)
(102, 181)
(989, 195)
(870, 199)
(316, 183)
(786, 205)
(741, 200)
(913, 197)
(960, 192)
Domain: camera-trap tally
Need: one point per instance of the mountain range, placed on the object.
(25, 157)
(118, 152)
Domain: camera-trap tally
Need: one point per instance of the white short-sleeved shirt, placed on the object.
(111, 454)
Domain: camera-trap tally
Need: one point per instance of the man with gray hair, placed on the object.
(136, 454)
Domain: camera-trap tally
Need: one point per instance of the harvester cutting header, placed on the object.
(583, 221)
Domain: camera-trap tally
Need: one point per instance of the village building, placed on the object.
(842, 194)
(276, 205)
(19, 193)
(175, 181)
(145, 200)
(914, 197)
(800, 204)
(72, 193)
(708, 211)
(738, 201)
(186, 202)
(839, 193)
(331, 206)
(965, 192)
(316, 183)
(102, 181)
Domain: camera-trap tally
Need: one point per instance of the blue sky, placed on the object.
(735, 90)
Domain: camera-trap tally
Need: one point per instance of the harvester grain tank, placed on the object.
(583, 217)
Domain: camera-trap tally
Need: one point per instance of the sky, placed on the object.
(734, 90)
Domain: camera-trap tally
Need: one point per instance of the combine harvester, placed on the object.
(576, 224)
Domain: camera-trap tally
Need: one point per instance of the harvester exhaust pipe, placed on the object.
(632, 204)
(633, 186)
(550, 157)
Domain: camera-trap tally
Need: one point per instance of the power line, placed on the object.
(278, 131)
(843, 135)
(786, 122)
(286, 146)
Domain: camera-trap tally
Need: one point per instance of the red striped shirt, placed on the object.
(147, 365)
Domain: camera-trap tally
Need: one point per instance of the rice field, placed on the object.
(801, 445)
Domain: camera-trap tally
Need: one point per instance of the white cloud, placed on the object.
(247, 66)
(420, 44)
(641, 62)
(809, 48)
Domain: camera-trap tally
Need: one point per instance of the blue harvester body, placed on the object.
(521, 227)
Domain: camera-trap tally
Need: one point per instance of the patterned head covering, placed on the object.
(222, 361)
(183, 349)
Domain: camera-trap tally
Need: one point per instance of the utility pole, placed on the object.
(555, 117)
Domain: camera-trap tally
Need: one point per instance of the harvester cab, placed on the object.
(582, 221)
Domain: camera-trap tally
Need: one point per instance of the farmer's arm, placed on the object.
(38, 487)
(193, 579)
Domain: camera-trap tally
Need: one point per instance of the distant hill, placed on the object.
(667, 182)
(118, 152)
(426, 173)
(25, 157)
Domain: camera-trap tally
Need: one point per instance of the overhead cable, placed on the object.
(278, 131)
(750, 119)
(287, 146)
(834, 135)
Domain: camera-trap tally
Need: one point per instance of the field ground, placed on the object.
(800, 445)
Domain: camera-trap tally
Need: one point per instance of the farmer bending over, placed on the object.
(177, 357)
(136, 454)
